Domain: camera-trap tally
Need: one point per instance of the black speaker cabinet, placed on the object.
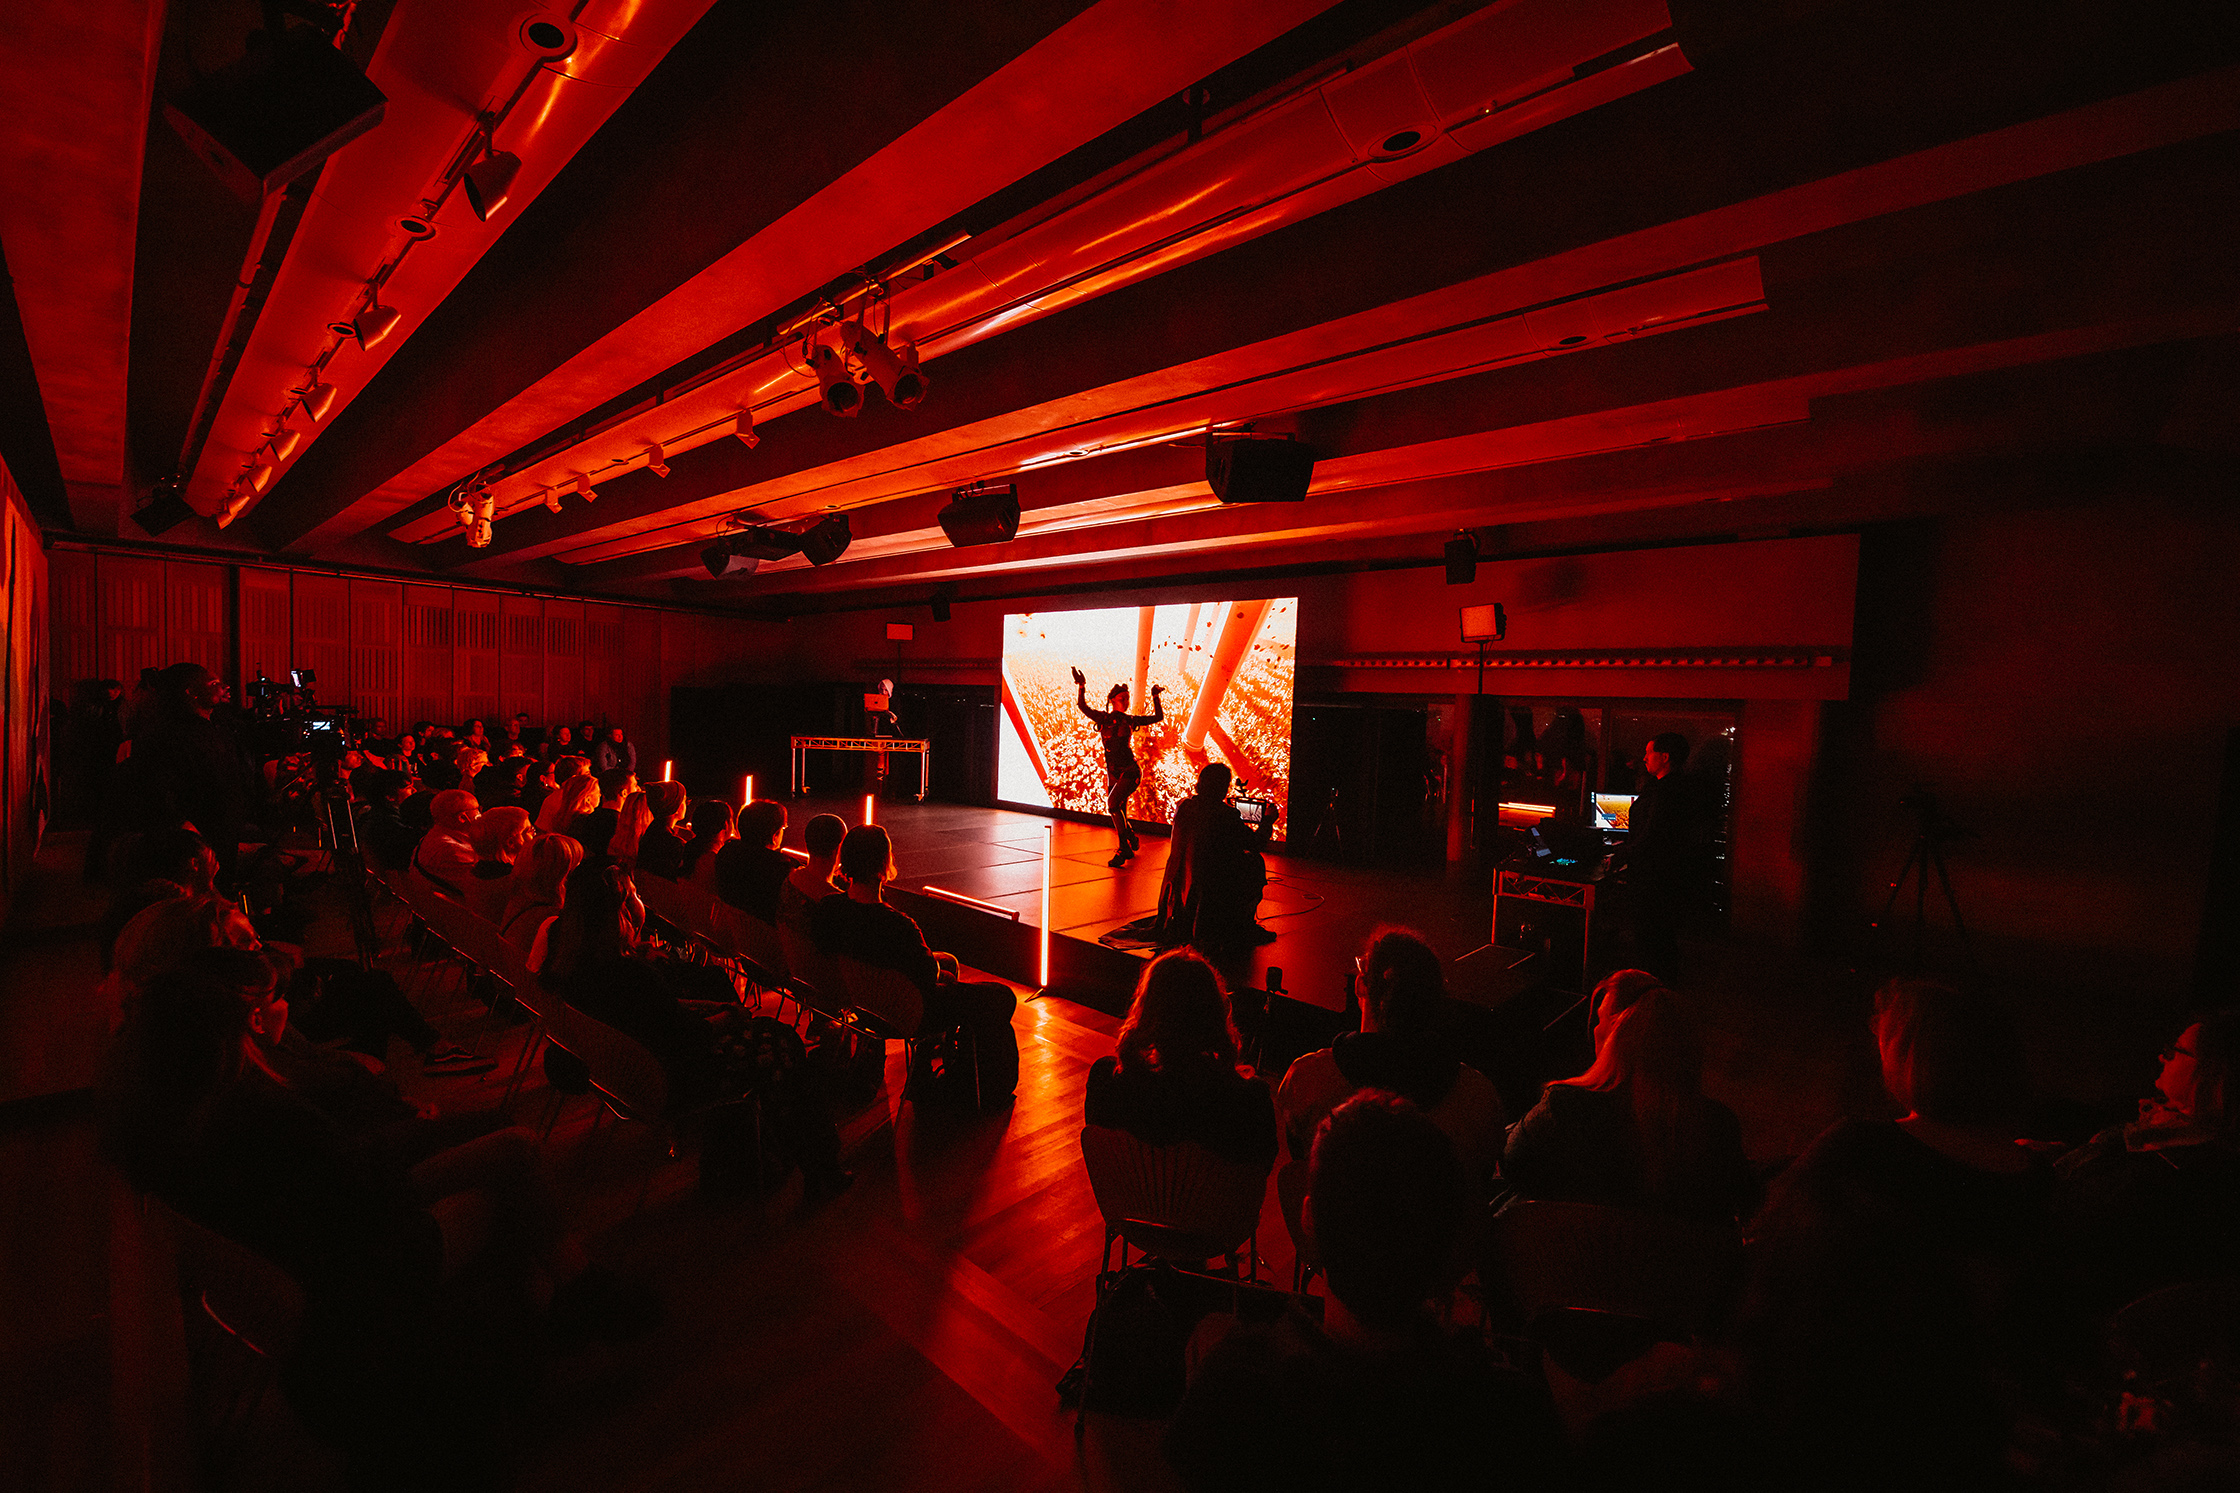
(263, 121)
(1259, 471)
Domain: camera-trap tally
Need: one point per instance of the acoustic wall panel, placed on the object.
(475, 625)
(428, 664)
(267, 631)
(521, 678)
(563, 661)
(642, 700)
(194, 599)
(129, 593)
(74, 620)
(377, 648)
(603, 664)
(321, 607)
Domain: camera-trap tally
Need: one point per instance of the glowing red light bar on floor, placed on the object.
(963, 901)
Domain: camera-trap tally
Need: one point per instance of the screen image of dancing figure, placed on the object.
(1225, 671)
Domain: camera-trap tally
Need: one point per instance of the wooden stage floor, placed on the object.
(1321, 912)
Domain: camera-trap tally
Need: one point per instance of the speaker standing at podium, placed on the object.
(1661, 855)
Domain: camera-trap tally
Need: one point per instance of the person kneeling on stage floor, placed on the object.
(862, 926)
(1215, 871)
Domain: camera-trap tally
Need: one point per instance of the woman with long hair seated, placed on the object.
(631, 820)
(501, 840)
(710, 1051)
(578, 795)
(540, 890)
(1174, 1074)
(661, 845)
(1401, 988)
(712, 828)
(1635, 1130)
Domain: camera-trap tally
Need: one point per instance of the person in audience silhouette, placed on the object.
(862, 926)
(559, 743)
(2156, 1202)
(501, 840)
(712, 826)
(1635, 1130)
(632, 819)
(380, 792)
(540, 891)
(1663, 855)
(750, 870)
(203, 776)
(447, 856)
(1215, 871)
(594, 828)
(816, 879)
(1114, 726)
(614, 751)
(1401, 987)
(576, 796)
(1887, 1267)
(1174, 1075)
(712, 1052)
(1378, 1394)
(661, 847)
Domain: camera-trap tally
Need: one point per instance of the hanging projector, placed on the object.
(742, 550)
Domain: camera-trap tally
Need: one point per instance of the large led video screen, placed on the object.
(1226, 667)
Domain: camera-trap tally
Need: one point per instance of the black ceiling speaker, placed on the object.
(263, 121)
(941, 600)
(1259, 471)
(1462, 560)
(826, 540)
(760, 542)
(166, 507)
(981, 516)
(721, 560)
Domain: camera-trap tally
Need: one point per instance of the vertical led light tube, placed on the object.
(668, 766)
(867, 798)
(746, 790)
(1049, 836)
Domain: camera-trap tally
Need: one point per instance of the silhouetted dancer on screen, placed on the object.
(1115, 725)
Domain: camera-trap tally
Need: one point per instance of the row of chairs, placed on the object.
(875, 1004)
(1590, 1287)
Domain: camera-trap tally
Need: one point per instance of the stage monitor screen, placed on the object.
(1226, 668)
(1613, 812)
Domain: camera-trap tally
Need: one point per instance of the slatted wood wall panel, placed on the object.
(75, 628)
(195, 614)
(130, 597)
(644, 697)
(563, 661)
(429, 627)
(267, 628)
(521, 681)
(399, 652)
(377, 648)
(475, 624)
(322, 619)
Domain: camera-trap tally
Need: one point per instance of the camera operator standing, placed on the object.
(200, 770)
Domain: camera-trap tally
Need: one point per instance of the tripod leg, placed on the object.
(1960, 927)
(1897, 885)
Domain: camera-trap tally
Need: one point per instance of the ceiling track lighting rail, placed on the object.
(484, 174)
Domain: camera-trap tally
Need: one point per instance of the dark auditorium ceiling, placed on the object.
(1551, 271)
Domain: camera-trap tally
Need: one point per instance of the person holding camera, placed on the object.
(1115, 726)
(1215, 870)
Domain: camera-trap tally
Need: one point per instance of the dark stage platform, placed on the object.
(1320, 912)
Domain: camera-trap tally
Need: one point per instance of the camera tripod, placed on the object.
(1931, 831)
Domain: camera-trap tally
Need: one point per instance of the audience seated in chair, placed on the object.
(1635, 1130)
(816, 879)
(1881, 1315)
(632, 818)
(1175, 1075)
(2156, 1202)
(539, 893)
(576, 796)
(1379, 1394)
(386, 839)
(711, 1050)
(750, 870)
(446, 856)
(661, 847)
(710, 821)
(594, 829)
(862, 926)
(501, 839)
(1401, 988)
